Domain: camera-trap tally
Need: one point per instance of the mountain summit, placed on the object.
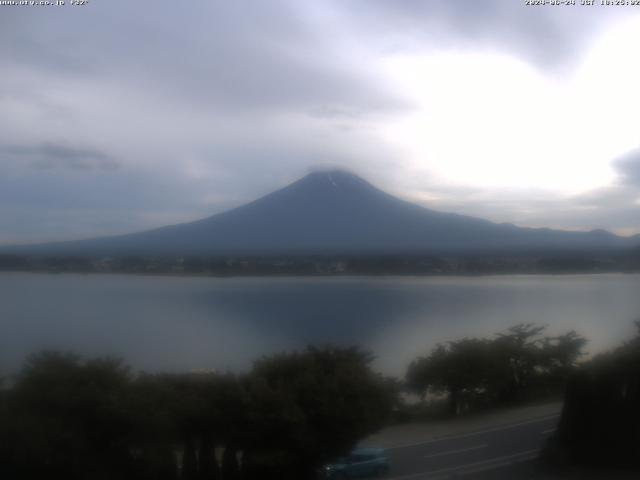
(334, 212)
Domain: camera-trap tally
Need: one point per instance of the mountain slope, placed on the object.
(334, 211)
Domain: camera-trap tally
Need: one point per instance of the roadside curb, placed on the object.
(419, 433)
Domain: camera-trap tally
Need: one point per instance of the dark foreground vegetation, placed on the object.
(599, 428)
(600, 423)
(328, 264)
(66, 418)
(514, 366)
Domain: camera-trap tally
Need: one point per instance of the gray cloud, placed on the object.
(226, 55)
(547, 37)
(51, 155)
(615, 207)
(628, 167)
(195, 107)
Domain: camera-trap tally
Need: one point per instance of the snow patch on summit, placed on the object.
(332, 180)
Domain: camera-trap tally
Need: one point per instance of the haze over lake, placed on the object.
(183, 323)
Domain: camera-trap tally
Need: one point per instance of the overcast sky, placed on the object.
(118, 116)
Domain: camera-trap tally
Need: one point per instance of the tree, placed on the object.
(476, 371)
(517, 355)
(68, 418)
(77, 419)
(600, 422)
(310, 407)
(5, 453)
(560, 354)
(230, 469)
(193, 413)
(460, 369)
(151, 406)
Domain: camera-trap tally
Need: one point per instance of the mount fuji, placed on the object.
(334, 212)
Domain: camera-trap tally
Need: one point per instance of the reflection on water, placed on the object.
(173, 323)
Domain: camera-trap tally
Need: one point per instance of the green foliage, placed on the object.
(600, 423)
(460, 369)
(67, 418)
(316, 404)
(476, 371)
(93, 420)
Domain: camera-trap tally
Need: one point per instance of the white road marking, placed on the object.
(545, 432)
(472, 434)
(475, 467)
(453, 452)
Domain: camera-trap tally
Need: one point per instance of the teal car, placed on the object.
(361, 463)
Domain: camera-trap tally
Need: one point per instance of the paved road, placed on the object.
(504, 451)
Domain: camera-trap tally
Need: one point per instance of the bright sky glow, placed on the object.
(117, 117)
(491, 120)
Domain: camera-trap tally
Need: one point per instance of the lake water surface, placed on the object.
(184, 323)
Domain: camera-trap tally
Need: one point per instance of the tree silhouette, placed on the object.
(476, 371)
(600, 422)
(68, 418)
(77, 419)
(312, 406)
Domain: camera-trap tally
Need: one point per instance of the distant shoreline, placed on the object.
(335, 265)
(324, 276)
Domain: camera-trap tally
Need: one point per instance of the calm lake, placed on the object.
(182, 323)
